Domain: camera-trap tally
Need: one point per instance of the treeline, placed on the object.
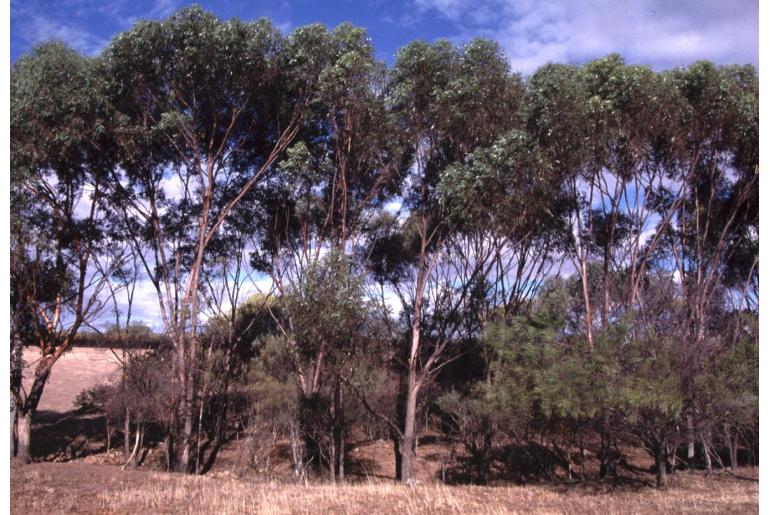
(535, 266)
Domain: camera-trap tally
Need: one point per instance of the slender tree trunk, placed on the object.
(137, 439)
(395, 436)
(169, 451)
(410, 428)
(661, 477)
(332, 460)
(187, 405)
(13, 428)
(409, 432)
(661, 462)
(198, 439)
(734, 453)
(127, 435)
(604, 451)
(732, 446)
(587, 301)
(690, 442)
(339, 430)
(397, 452)
(707, 453)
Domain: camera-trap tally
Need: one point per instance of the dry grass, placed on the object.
(103, 489)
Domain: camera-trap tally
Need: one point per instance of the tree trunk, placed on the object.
(109, 433)
(734, 453)
(198, 439)
(587, 301)
(732, 446)
(397, 452)
(127, 435)
(604, 449)
(187, 371)
(14, 417)
(690, 443)
(661, 461)
(23, 434)
(27, 411)
(339, 430)
(137, 439)
(395, 436)
(661, 477)
(169, 451)
(410, 428)
(332, 460)
(707, 453)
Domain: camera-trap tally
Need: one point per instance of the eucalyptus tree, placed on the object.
(329, 310)
(345, 164)
(60, 159)
(711, 243)
(555, 116)
(204, 107)
(448, 102)
(716, 164)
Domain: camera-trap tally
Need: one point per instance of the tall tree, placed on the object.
(342, 168)
(207, 106)
(60, 160)
(449, 102)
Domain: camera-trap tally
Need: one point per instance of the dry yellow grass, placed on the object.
(102, 489)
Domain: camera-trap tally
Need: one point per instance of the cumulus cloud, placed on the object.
(659, 33)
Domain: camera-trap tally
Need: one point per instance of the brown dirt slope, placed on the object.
(76, 370)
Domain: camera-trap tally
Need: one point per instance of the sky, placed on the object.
(659, 33)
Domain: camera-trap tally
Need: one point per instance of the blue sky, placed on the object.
(660, 33)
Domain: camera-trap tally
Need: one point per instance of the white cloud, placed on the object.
(393, 302)
(659, 33)
(37, 29)
(172, 186)
(160, 9)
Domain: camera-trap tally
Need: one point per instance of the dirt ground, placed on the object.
(79, 487)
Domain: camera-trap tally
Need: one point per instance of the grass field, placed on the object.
(86, 488)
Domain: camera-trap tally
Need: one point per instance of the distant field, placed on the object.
(80, 368)
(85, 488)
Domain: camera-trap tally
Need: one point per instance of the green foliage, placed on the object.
(58, 116)
(728, 388)
(329, 310)
(539, 370)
